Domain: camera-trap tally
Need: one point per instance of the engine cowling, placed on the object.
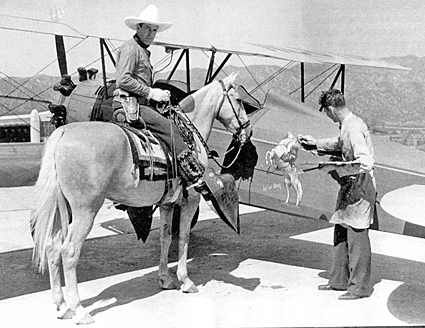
(90, 102)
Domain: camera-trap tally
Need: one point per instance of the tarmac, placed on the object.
(265, 277)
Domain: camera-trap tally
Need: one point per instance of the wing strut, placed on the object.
(220, 67)
(210, 66)
(184, 53)
(302, 82)
(341, 72)
(61, 54)
(177, 64)
(102, 56)
(188, 70)
(109, 52)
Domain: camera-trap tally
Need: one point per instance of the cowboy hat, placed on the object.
(148, 16)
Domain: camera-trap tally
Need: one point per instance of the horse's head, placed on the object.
(231, 112)
(241, 155)
(219, 100)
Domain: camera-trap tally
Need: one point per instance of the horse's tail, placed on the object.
(50, 212)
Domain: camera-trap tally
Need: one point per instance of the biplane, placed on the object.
(272, 117)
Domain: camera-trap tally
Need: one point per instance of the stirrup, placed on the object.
(195, 185)
(201, 187)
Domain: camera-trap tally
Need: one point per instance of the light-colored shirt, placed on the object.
(356, 198)
(134, 69)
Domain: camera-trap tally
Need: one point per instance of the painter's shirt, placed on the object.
(356, 198)
(134, 69)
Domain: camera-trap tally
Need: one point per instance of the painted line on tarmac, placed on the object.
(16, 235)
(384, 243)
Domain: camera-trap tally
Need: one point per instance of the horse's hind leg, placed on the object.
(166, 214)
(296, 184)
(53, 251)
(82, 222)
(300, 191)
(287, 184)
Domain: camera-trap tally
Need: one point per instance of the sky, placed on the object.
(370, 28)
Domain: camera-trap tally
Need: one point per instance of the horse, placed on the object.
(87, 162)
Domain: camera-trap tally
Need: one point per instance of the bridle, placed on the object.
(240, 135)
(240, 131)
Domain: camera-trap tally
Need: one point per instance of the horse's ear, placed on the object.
(231, 78)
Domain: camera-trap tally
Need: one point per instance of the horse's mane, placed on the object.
(187, 104)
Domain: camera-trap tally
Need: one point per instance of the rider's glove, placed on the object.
(159, 95)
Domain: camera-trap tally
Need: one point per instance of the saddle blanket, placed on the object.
(149, 158)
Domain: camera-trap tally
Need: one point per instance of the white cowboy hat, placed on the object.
(148, 16)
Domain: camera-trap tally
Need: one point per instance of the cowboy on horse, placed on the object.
(136, 95)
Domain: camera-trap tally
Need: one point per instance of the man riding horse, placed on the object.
(135, 94)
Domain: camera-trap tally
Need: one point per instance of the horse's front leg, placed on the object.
(188, 210)
(166, 215)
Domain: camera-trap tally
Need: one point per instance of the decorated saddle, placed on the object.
(151, 162)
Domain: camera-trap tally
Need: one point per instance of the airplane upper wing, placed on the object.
(327, 57)
(243, 49)
(48, 27)
(238, 48)
(23, 24)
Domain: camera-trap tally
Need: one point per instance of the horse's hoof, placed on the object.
(68, 314)
(85, 320)
(192, 289)
(167, 284)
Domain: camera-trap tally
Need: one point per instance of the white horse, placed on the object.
(84, 163)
